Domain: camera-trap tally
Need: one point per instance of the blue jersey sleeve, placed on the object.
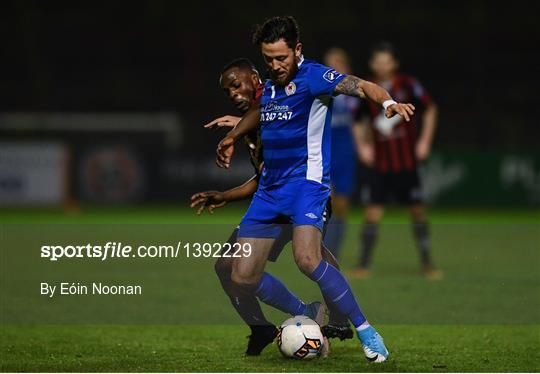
(323, 80)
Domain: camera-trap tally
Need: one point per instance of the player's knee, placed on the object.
(223, 268)
(245, 280)
(307, 263)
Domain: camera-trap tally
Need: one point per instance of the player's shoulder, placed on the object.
(309, 64)
(319, 72)
(314, 67)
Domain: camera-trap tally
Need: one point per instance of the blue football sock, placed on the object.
(274, 293)
(335, 287)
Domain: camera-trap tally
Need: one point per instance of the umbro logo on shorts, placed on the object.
(311, 215)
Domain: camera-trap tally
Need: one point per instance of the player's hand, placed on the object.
(225, 151)
(367, 155)
(225, 121)
(404, 110)
(209, 200)
(422, 150)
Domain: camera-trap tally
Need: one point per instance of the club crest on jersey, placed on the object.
(331, 75)
(290, 89)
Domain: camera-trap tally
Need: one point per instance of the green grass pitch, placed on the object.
(484, 316)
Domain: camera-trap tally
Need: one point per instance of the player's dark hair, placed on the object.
(384, 47)
(241, 63)
(276, 28)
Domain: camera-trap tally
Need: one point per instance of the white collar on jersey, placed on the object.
(301, 60)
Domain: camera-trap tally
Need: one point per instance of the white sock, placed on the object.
(363, 326)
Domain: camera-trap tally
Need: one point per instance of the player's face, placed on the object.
(281, 60)
(239, 85)
(338, 62)
(383, 65)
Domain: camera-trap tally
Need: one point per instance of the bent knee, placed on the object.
(307, 264)
(223, 268)
(245, 280)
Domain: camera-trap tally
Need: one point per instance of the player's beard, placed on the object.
(285, 79)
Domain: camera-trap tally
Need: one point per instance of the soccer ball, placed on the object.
(300, 337)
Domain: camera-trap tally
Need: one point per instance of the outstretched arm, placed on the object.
(225, 121)
(244, 191)
(354, 86)
(212, 200)
(247, 124)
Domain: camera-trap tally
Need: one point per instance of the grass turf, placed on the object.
(420, 348)
(232, 214)
(484, 316)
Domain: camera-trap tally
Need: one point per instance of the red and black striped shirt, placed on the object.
(395, 139)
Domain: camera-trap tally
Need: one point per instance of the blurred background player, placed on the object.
(392, 149)
(343, 153)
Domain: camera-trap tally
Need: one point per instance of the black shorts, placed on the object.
(286, 235)
(402, 187)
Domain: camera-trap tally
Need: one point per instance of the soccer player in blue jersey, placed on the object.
(241, 83)
(294, 115)
(343, 158)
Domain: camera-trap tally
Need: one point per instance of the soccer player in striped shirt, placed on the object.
(393, 149)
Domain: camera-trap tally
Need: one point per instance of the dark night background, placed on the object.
(478, 59)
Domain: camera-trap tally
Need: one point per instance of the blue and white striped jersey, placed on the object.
(295, 126)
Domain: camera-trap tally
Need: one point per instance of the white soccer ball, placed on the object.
(300, 337)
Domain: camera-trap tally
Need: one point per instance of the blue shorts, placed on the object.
(301, 202)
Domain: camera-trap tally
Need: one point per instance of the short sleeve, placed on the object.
(323, 80)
